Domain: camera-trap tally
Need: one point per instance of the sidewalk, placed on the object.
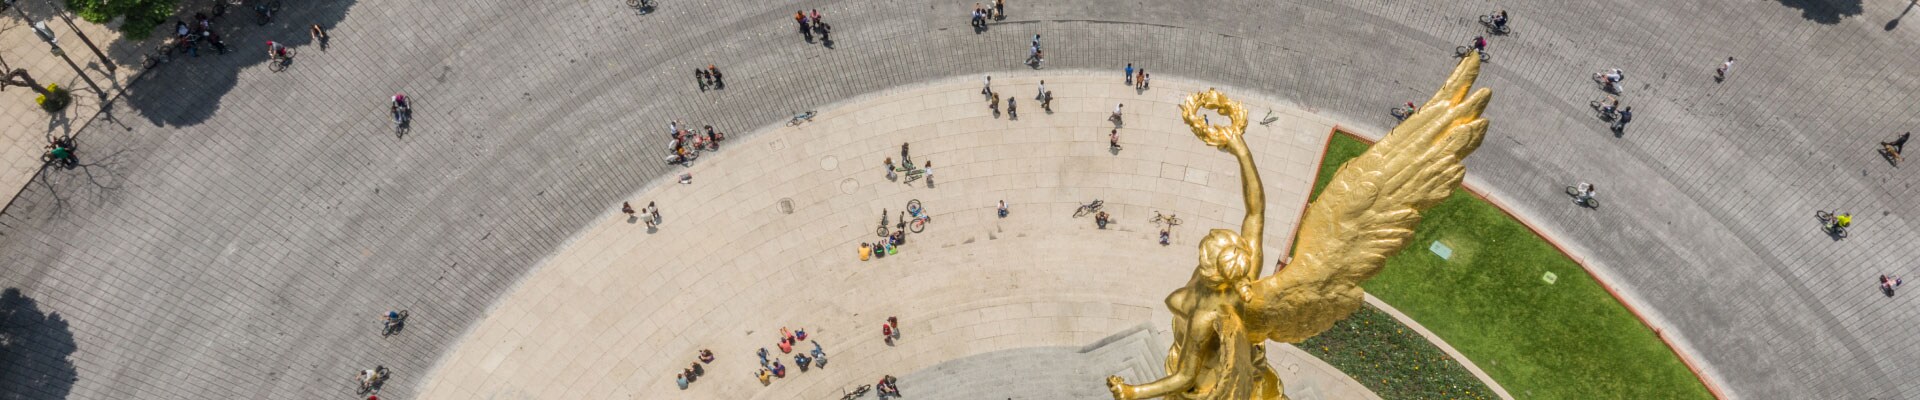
(25, 129)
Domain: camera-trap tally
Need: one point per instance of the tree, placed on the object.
(20, 78)
(142, 15)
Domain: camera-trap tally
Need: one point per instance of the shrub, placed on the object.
(57, 101)
(141, 15)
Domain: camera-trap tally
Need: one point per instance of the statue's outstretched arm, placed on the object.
(1232, 139)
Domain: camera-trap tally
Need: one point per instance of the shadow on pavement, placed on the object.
(187, 89)
(1827, 12)
(34, 350)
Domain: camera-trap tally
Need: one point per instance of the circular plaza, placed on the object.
(234, 230)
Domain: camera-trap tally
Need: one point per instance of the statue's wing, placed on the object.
(1368, 212)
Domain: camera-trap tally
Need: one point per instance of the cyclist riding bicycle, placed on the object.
(1500, 19)
(1586, 193)
(275, 50)
(1480, 43)
(1840, 221)
(398, 106)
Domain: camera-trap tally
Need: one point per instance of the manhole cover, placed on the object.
(829, 163)
(786, 205)
(847, 186)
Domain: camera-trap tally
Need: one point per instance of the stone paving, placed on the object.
(234, 242)
(24, 128)
(765, 237)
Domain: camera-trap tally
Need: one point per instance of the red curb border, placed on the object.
(1692, 365)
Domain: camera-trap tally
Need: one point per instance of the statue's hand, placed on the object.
(1212, 101)
(1119, 388)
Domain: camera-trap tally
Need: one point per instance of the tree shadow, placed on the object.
(35, 350)
(1826, 12)
(188, 90)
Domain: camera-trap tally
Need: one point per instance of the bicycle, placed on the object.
(392, 325)
(801, 118)
(1608, 85)
(1268, 120)
(279, 62)
(1580, 197)
(161, 54)
(857, 392)
(1401, 112)
(1088, 208)
(1606, 109)
(643, 7)
(263, 12)
(1831, 224)
(912, 172)
(919, 216)
(882, 230)
(1169, 219)
(1461, 51)
(1487, 20)
(371, 383)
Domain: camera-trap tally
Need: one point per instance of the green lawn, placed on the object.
(1393, 361)
(1564, 340)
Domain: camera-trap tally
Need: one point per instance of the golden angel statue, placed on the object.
(1226, 313)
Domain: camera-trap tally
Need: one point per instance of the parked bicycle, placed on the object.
(1088, 208)
(801, 118)
(1583, 195)
(1268, 120)
(263, 12)
(1168, 219)
(1461, 51)
(1834, 224)
(856, 393)
(917, 216)
(882, 230)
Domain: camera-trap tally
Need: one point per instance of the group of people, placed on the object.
(687, 144)
(981, 14)
(709, 77)
(1034, 55)
(651, 214)
(693, 372)
(60, 151)
(186, 36)
(770, 366)
(811, 23)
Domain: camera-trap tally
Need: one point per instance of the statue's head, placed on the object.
(1224, 258)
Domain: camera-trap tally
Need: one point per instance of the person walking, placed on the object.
(1010, 112)
(714, 72)
(1116, 113)
(927, 171)
(1721, 74)
(626, 208)
(994, 104)
(1000, 9)
(652, 211)
(889, 165)
(701, 76)
(1046, 101)
(987, 88)
(1626, 115)
(904, 159)
(1140, 77)
(1896, 145)
(1113, 140)
(979, 16)
(1129, 75)
(1042, 93)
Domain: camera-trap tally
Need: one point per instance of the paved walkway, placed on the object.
(765, 238)
(277, 211)
(24, 128)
